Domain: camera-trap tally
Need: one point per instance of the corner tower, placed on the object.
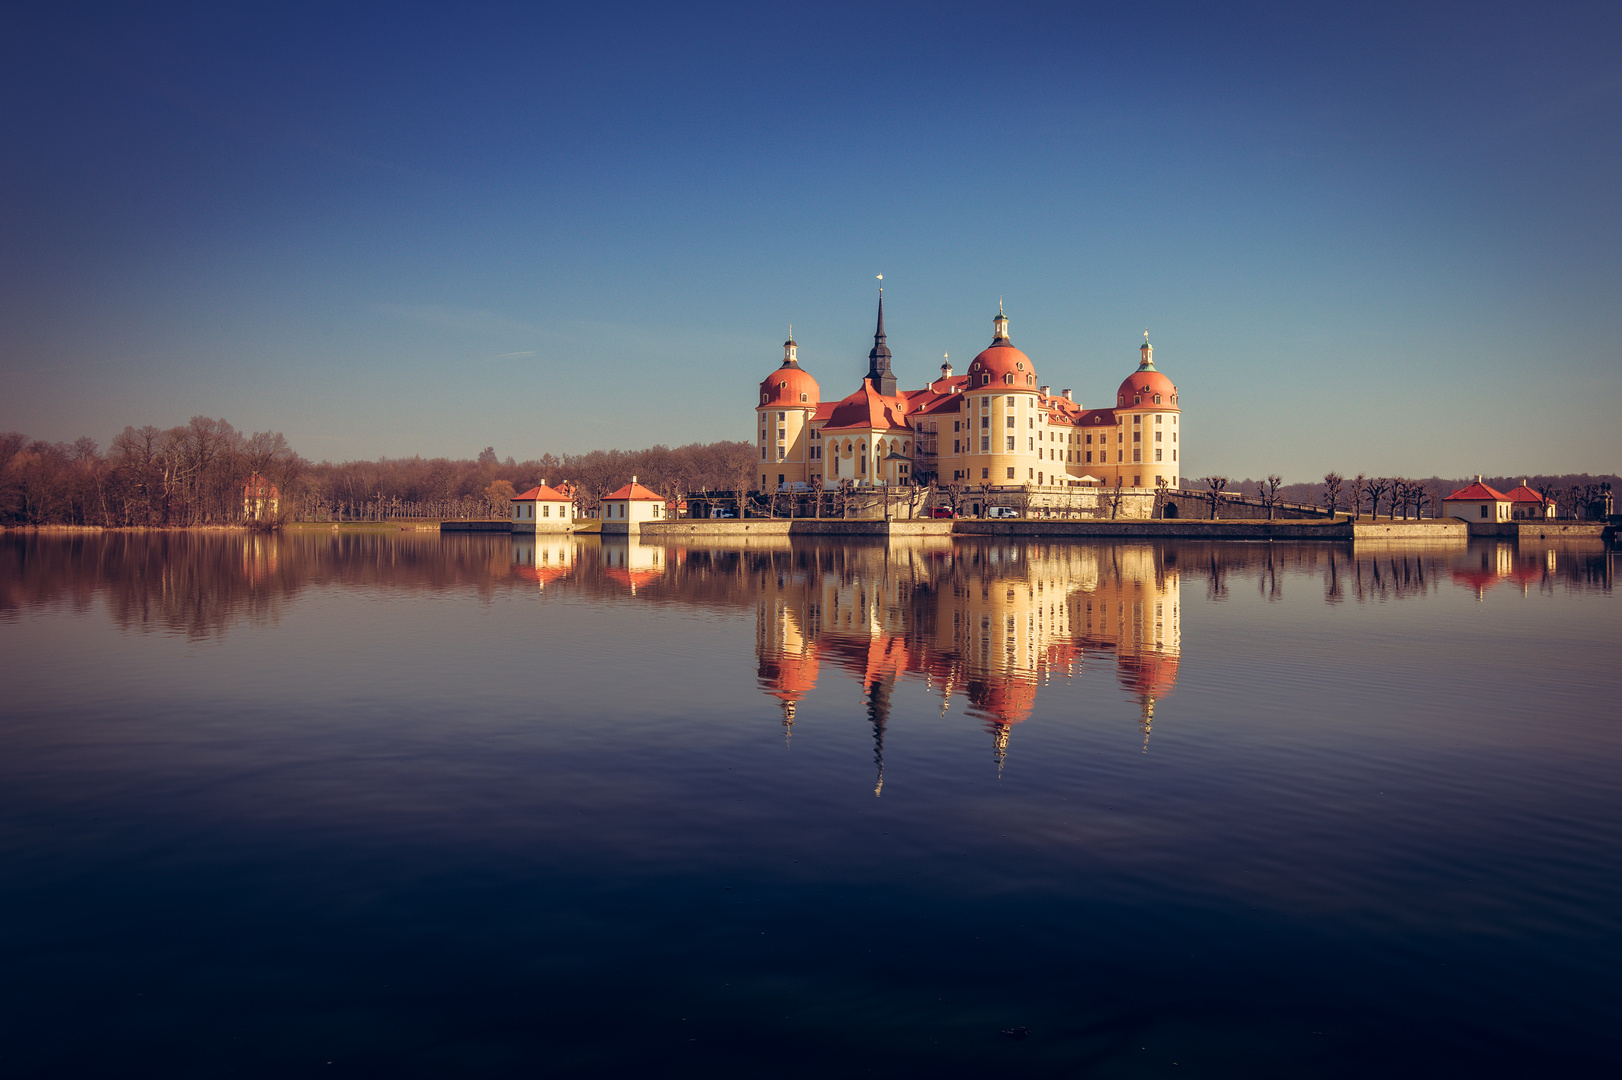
(789, 397)
(1148, 427)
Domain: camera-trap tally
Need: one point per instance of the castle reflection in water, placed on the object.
(987, 623)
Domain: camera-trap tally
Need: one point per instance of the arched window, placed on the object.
(1009, 378)
(802, 397)
(1157, 399)
(1030, 380)
(984, 379)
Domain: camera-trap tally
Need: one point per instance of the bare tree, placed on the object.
(1332, 482)
(1376, 488)
(1215, 484)
(1115, 497)
(1360, 488)
(1269, 492)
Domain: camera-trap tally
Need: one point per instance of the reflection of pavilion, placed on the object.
(541, 558)
(632, 564)
(991, 623)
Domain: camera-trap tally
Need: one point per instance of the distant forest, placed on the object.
(194, 474)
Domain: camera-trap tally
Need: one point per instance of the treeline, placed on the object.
(1574, 494)
(195, 473)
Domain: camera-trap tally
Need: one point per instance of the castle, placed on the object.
(995, 426)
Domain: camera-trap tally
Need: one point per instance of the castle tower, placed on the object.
(789, 396)
(878, 361)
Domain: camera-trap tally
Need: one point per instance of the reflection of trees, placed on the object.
(201, 583)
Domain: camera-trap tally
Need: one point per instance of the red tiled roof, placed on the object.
(1524, 494)
(785, 385)
(1145, 384)
(635, 492)
(868, 410)
(541, 493)
(1478, 492)
(1000, 359)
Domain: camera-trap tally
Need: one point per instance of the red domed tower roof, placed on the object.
(1140, 388)
(790, 384)
(1005, 365)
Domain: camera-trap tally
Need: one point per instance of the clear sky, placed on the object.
(1383, 239)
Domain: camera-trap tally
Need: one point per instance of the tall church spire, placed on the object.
(878, 361)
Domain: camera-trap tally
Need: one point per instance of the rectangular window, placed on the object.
(955, 425)
(1030, 444)
(546, 511)
(1030, 421)
(782, 433)
(1010, 442)
(985, 474)
(1157, 419)
(1010, 401)
(1137, 455)
(1157, 436)
(1089, 438)
(1118, 457)
(1174, 436)
(1174, 454)
(985, 422)
(985, 403)
(1090, 461)
(985, 444)
(1483, 512)
(955, 446)
(1157, 453)
(1010, 419)
(1010, 472)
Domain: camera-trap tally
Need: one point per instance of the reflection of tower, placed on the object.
(878, 712)
(787, 658)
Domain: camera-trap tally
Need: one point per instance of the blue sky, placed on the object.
(1380, 239)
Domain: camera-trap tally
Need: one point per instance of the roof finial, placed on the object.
(1146, 335)
(999, 305)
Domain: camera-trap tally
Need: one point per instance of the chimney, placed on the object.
(1066, 393)
(633, 478)
(1047, 391)
(543, 481)
(1478, 478)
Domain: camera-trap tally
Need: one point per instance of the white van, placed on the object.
(1001, 512)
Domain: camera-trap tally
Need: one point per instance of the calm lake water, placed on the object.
(411, 805)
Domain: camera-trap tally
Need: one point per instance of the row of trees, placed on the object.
(194, 474)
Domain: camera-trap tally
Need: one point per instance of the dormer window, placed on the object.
(1137, 399)
(1157, 399)
(802, 397)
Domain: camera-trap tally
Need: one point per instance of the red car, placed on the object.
(941, 512)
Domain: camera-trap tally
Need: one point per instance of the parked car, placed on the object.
(1001, 512)
(793, 487)
(942, 512)
(718, 512)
